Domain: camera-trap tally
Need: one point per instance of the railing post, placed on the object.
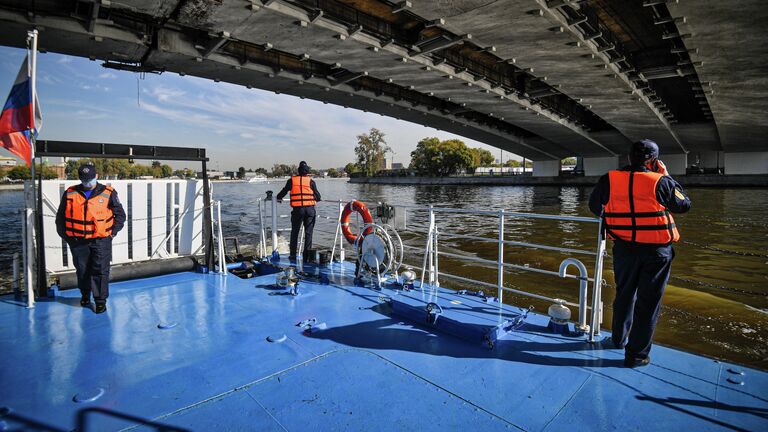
(222, 257)
(428, 250)
(262, 248)
(500, 268)
(274, 222)
(29, 254)
(597, 286)
(300, 241)
(337, 235)
(435, 267)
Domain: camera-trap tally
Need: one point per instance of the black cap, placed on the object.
(642, 151)
(303, 168)
(86, 172)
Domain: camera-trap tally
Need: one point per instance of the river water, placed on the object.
(716, 302)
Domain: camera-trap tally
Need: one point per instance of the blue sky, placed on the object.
(82, 101)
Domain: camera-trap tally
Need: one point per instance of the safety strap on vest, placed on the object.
(633, 228)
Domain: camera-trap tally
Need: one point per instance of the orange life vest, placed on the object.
(633, 213)
(302, 194)
(88, 218)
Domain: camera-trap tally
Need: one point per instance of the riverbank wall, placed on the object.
(12, 186)
(687, 181)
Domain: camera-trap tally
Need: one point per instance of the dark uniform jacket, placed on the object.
(289, 185)
(114, 205)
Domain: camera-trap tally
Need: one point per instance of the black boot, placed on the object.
(100, 308)
(85, 301)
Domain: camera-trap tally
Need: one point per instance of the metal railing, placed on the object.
(589, 314)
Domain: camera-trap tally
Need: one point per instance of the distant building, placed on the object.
(212, 175)
(6, 164)
(60, 169)
(397, 165)
(386, 164)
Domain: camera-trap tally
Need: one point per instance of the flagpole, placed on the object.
(36, 194)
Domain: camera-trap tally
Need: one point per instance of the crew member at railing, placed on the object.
(89, 216)
(635, 203)
(304, 196)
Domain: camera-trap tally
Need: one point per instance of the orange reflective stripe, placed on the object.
(88, 218)
(302, 194)
(633, 213)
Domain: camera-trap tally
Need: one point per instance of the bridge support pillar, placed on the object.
(676, 163)
(546, 168)
(746, 163)
(597, 166)
(709, 161)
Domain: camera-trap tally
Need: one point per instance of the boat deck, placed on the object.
(207, 352)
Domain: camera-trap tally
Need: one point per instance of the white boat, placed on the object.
(258, 179)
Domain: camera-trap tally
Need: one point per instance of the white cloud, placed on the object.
(108, 75)
(287, 127)
(165, 94)
(84, 114)
(64, 60)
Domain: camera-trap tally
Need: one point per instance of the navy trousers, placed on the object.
(92, 260)
(642, 272)
(302, 216)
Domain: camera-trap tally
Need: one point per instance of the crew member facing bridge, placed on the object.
(304, 196)
(635, 203)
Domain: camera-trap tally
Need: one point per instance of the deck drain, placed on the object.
(89, 395)
(167, 326)
(277, 338)
(735, 381)
(736, 371)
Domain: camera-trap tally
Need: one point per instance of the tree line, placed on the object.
(432, 157)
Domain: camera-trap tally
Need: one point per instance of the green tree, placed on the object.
(282, 170)
(350, 168)
(166, 170)
(514, 163)
(241, 173)
(370, 151)
(568, 161)
(433, 157)
(21, 172)
(333, 173)
(188, 173)
(261, 171)
(481, 157)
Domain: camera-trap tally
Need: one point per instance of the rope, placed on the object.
(725, 251)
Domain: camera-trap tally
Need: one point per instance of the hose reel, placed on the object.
(379, 252)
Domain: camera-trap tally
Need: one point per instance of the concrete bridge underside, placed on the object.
(543, 79)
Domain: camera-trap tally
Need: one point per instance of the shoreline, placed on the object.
(713, 181)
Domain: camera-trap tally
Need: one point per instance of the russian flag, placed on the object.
(18, 125)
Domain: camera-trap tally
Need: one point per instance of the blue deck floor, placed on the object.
(211, 367)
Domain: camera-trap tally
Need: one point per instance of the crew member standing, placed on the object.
(89, 216)
(304, 196)
(635, 203)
